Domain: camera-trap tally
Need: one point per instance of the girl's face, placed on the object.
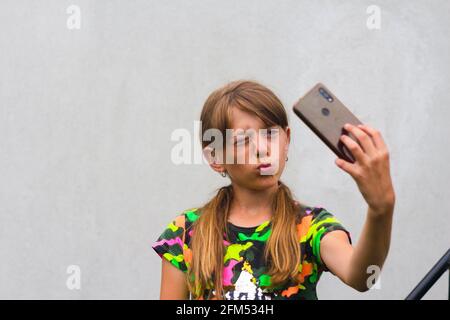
(250, 146)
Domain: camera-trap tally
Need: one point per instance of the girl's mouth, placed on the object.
(266, 169)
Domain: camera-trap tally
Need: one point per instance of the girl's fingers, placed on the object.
(363, 138)
(375, 135)
(348, 167)
(354, 148)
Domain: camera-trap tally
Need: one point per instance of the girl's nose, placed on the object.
(262, 148)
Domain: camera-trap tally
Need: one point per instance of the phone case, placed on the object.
(325, 115)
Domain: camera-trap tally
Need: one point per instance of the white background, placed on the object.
(86, 117)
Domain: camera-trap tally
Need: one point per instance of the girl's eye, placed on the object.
(242, 141)
(271, 132)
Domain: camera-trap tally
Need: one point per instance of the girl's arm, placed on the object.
(173, 283)
(351, 264)
(372, 175)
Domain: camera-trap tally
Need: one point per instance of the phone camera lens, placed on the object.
(325, 111)
(325, 95)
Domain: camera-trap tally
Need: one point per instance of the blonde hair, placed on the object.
(282, 251)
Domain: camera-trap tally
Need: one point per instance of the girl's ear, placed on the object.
(288, 137)
(208, 153)
(211, 157)
(288, 133)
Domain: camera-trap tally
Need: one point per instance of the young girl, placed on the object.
(253, 240)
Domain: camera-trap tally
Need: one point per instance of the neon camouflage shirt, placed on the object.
(244, 276)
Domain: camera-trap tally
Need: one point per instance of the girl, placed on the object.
(253, 240)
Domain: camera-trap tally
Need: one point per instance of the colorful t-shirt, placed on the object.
(244, 268)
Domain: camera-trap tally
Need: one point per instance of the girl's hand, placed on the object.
(371, 168)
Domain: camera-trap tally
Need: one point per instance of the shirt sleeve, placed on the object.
(170, 245)
(323, 222)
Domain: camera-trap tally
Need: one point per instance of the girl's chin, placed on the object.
(266, 180)
(265, 184)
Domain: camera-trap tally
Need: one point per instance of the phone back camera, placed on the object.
(325, 111)
(325, 95)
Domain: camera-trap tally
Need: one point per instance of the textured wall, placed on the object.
(86, 117)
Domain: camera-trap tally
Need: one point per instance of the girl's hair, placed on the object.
(282, 251)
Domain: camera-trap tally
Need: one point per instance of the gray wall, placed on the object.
(86, 117)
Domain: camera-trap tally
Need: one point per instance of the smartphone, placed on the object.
(325, 115)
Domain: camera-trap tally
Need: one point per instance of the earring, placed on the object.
(223, 174)
(287, 158)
